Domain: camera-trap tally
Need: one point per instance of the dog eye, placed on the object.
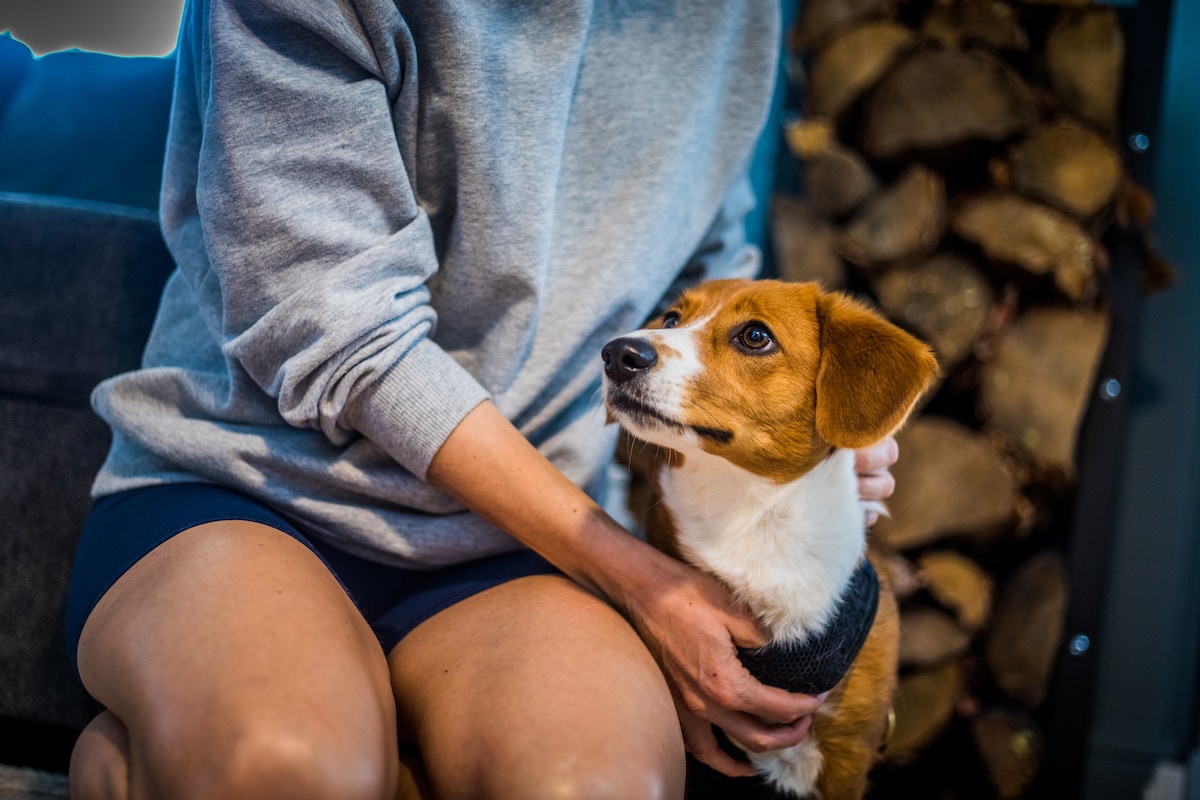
(670, 319)
(756, 337)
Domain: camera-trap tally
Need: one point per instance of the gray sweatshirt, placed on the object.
(384, 212)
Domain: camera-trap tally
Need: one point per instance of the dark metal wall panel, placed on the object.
(1146, 678)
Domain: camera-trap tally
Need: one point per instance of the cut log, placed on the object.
(900, 573)
(1010, 746)
(1035, 237)
(852, 63)
(1064, 3)
(803, 244)
(959, 584)
(988, 22)
(944, 299)
(838, 181)
(929, 636)
(1067, 166)
(1037, 386)
(936, 99)
(810, 137)
(924, 705)
(822, 20)
(1085, 56)
(1023, 640)
(904, 220)
(950, 481)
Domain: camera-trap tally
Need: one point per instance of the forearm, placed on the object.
(492, 469)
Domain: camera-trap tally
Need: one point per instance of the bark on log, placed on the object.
(822, 20)
(936, 99)
(904, 220)
(924, 704)
(852, 63)
(1010, 746)
(959, 584)
(1085, 55)
(810, 138)
(929, 637)
(838, 181)
(1026, 632)
(988, 22)
(804, 244)
(1066, 165)
(1037, 386)
(945, 299)
(1035, 237)
(1065, 3)
(950, 481)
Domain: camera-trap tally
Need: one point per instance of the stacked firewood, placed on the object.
(960, 168)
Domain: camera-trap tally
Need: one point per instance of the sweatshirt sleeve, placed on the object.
(308, 221)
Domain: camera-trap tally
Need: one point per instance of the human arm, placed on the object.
(687, 620)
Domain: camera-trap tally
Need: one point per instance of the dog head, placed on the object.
(768, 375)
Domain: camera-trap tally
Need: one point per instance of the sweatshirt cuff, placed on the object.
(413, 408)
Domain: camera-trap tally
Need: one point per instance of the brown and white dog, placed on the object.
(758, 392)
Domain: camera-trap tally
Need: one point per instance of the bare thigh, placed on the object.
(236, 666)
(536, 688)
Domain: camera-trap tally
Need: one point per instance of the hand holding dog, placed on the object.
(687, 619)
(873, 465)
(692, 626)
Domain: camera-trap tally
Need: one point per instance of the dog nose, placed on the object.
(626, 357)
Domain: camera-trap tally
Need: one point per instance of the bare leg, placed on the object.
(537, 689)
(232, 664)
(100, 761)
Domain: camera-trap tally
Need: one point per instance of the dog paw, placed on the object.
(794, 770)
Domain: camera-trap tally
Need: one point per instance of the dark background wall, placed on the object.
(1146, 707)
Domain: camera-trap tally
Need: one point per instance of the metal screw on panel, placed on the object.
(1079, 644)
(1110, 389)
(1139, 142)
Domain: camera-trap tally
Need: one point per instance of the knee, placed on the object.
(290, 764)
(100, 761)
(267, 761)
(620, 768)
(601, 780)
(620, 782)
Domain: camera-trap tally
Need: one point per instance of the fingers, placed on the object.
(758, 737)
(691, 625)
(875, 482)
(879, 486)
(701, 742)
(751, 735)
(880, 456)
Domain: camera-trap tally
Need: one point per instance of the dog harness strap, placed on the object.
(817, 663)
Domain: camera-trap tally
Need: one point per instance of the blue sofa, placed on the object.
(82, 263)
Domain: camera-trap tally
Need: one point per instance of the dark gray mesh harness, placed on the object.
(817, 663)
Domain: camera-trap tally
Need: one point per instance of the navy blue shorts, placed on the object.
(124, 527)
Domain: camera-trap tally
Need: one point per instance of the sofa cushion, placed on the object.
(83, 125)
(79, 283)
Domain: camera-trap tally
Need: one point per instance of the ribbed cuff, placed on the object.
(413, 408)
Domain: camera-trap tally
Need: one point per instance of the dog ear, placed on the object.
(871, 374)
